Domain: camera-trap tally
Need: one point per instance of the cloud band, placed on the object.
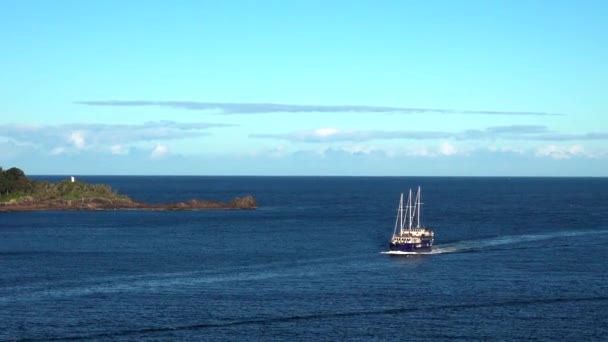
(513, 132)
(261, 108)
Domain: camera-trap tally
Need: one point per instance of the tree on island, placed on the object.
(14, 180)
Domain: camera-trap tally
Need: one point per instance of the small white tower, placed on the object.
(73, 179)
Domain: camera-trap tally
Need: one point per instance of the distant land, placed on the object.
(19, 193)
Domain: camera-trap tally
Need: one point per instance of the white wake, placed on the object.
(472, 245)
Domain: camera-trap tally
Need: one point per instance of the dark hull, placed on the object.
(411, 247)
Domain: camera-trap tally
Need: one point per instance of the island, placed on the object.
(19, 193)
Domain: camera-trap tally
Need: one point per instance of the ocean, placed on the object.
(514, 259)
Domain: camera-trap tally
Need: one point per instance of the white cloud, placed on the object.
(560, 152)
(512, 133)
(119, 149)
(74, 137)
(159, 151)
(408, 159)
(276, 152)
(419, 151)
(77, 139)
(325, 132)
(444, 149)
(57, 151)
(359, 149)
(505, 149)
(447, 149)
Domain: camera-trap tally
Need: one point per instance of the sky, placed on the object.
(374, 88)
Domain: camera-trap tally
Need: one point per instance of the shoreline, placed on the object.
(99, 204)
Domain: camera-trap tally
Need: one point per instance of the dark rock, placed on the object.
(247, 202)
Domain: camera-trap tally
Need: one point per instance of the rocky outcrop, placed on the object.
(247, 202)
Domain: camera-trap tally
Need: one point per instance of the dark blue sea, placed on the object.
(515, 259)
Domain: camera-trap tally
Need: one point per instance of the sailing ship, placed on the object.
(409, 235)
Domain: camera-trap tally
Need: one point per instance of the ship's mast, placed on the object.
(418, 206)
(399, 220)
(401, 215)
(410, 213)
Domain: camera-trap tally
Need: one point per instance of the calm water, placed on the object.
(519, 258)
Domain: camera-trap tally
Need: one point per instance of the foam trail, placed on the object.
(473, 245)
(148, 285)
(244, 269)
(162, 282)
(406, 253)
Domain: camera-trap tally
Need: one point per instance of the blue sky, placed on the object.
(513, 88)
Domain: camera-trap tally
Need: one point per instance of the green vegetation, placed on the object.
(14, 181)
(19, 193)
(14, 185)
